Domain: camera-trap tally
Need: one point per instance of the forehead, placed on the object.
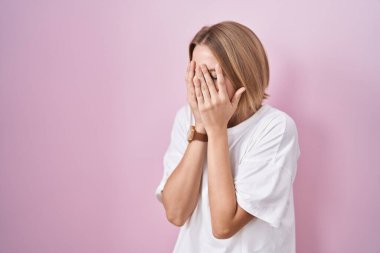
(203, 55)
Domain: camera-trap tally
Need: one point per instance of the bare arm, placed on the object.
(227, 217)
(181, 191)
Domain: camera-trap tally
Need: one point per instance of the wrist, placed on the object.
(217, 132)
(200, 129)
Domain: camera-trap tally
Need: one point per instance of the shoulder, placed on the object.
(277, 122)
(183, 110)
(181, 119)
(183, 113)
(277, 137)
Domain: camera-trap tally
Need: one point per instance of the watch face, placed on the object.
(190, 134)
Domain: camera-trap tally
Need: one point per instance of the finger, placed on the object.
(198, 92)
(190, 83)
(237, 96)
(210, 83)
(204, 89)
(220, 80)
(190, 74)
(191, 95)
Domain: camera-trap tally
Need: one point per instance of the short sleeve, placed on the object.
(176, 149)
(266, 172)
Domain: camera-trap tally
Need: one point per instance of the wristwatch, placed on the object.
(194, 135)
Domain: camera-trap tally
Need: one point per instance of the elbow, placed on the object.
(222, 233)
(175, 220)
(174, 215)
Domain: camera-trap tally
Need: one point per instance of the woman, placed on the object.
(232, 160)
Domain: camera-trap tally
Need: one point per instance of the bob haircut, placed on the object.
(242, 58)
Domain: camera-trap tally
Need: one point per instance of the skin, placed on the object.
(217, 102)
(202, 55)
(212, 104)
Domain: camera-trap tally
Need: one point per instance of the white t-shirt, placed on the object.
(264, 151)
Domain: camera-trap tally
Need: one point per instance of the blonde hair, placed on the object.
(242, 58)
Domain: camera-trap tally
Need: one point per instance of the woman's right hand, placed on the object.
(191, 98)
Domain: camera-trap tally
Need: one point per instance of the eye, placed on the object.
(214, 78)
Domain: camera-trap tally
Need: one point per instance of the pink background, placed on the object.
(89, 90)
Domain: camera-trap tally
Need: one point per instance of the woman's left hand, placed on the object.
(214, 105)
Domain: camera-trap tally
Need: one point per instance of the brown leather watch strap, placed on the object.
(200, 137)
(194, 135)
